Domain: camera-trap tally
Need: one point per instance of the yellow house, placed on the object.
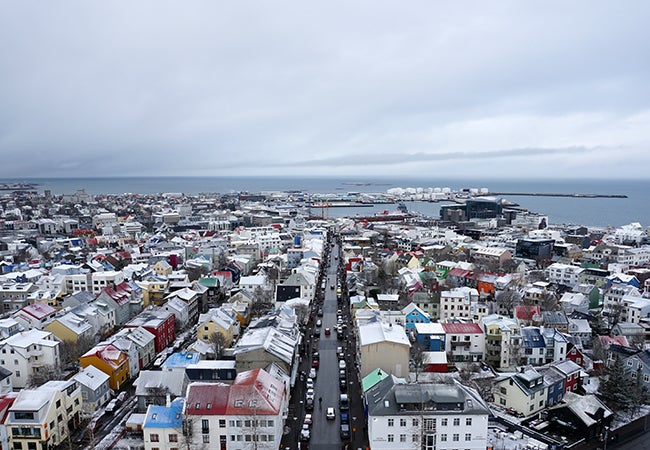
(71, 328)
(153, 291)
(110, 360)
(162, 268)
(218, 320)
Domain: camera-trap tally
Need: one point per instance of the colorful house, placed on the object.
(110, 360)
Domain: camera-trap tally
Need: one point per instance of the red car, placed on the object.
(327, 331)
(315, 363)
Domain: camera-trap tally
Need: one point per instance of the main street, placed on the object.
(325, 433)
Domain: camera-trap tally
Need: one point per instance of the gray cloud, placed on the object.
(216, 88)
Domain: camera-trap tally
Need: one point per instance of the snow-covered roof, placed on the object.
(376, 332)
(91, 377)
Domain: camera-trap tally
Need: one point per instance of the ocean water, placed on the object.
(585, 211)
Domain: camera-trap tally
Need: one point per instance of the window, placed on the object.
(415, 438)
(468, 436)
(391, 438)
(231, 423)
(18, 373)
(468, 422)
(205, 426)
(391, 422)
(502, 401)
(402, 438)
(455, 437)
(270, 423)
(18, 446)
(531, 407)
(457, 422)
(646, 378)
(416, 422)
(443, 437)
(402, 422)
(222, 423)
(154, 438)
(443, 422)
(206, 438)
(173, 437)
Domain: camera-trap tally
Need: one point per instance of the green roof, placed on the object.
(209, 282)
(372, 379)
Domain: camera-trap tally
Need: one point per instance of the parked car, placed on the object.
(310, 383)
(311, 394)
(341, 364)
(345, 418)
(309, 404)
(331, 415)
(312, 373)
(342, 375)
(112, 406)
(305, 434)
(345, 431)
(319, 323)
(339, 352)
(343, 384)
(315, 363)
(308, 419)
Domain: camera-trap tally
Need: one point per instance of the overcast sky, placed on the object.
(350, 88)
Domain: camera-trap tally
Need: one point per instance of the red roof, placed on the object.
(254, 392)
(121, 293)
(462, 328)
(526, 312)
(5, 403)
(205, 399)
(39, 310)
(458, 272)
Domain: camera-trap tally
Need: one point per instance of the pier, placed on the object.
(538, 194)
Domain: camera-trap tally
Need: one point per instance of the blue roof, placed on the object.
(181, 360)
(532, 338)
(165, 416)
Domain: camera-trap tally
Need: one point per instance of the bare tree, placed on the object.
(44, 374)
(507, 300)
(218, 342)
(417, 354)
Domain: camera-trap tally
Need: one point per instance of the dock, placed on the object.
(538, 194)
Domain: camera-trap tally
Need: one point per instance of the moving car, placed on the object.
(328, 331)
(331, 415)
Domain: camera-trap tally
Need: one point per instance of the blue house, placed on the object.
(164, 423)
(204, 370)
(431, 336)
(555, 387)
(533, 346)
(622, 278)
(413, 315)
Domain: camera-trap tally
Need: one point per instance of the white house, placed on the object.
(28, 352)
(428, 416)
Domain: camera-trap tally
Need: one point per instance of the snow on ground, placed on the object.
(502, 440)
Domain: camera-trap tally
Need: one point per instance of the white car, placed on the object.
(341, 364)
(310, 383)
(310, 393)
(312, 373)
(331, 415)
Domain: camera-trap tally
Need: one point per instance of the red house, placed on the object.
(161, 323)
(571, 373)
(575, 354)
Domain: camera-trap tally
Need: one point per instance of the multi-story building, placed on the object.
(158, 322)
(502, 340)
(42, 418)
(250, 411)
(95, 390)
(456, 303)
(27, 353)
(564, 274)
(14, 296)
(464, 341)
(427, 416)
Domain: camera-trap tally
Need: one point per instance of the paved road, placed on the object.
(325, 433)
